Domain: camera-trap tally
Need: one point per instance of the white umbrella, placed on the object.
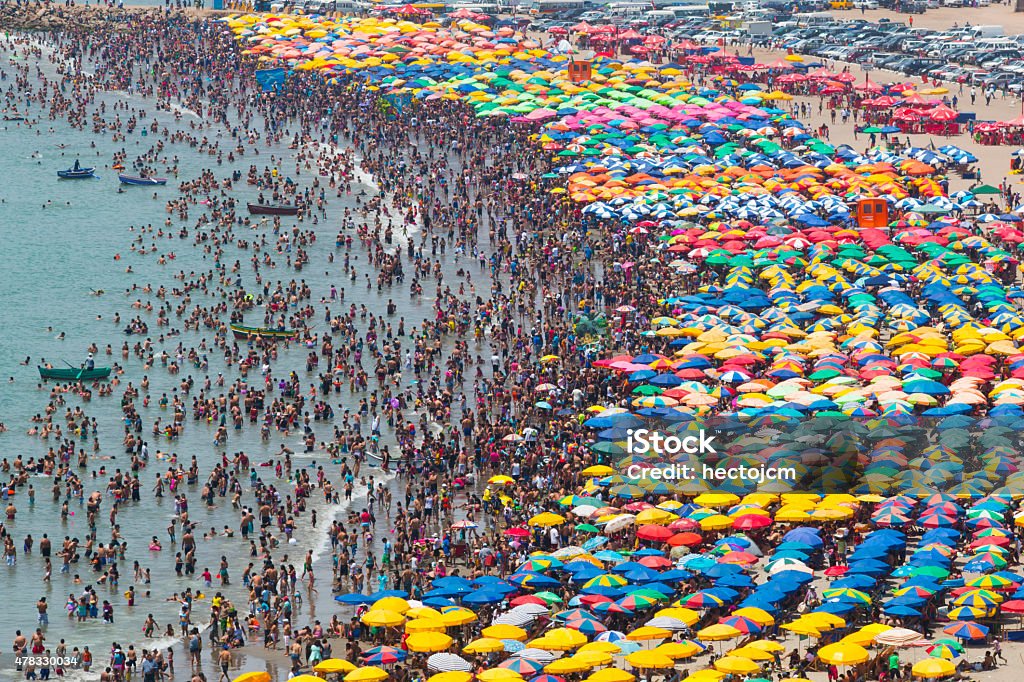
(899, 637)
(667, 623)
(445, 663)
(620, 522)
(538, 655)
(584, 510)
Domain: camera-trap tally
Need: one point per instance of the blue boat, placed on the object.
(76, 172)
(141, 180)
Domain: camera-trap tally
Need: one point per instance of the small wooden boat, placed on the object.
(272, 209)
(73, 373)
(76, 172)
(243, 333)
(141, 180)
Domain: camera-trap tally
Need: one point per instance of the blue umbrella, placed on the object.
(484, 596)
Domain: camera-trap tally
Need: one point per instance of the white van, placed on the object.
(993, 31)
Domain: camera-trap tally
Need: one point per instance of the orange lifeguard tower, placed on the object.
(579, 70)
(872, 213)
(580, 66)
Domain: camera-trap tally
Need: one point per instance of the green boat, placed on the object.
(73, 373)
(243, 333)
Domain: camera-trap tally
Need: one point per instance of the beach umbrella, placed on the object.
(484, 645)
(366, 674)
(447, 662)
(647, 660)
(933, 667)
(504, 632)
(499, 675)
(261, 676)
(899, 637)
(452, 676)
(523, 666)
(611, 675)
(423, 642)
(382, 618)
(736, 665)
(842, 653)
(946, 651)
(966, 630)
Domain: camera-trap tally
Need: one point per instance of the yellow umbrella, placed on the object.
(598, 470)
(499, 675)
(484, 645)
(458, 616)
(611, 675)
(306, 678)
(688, 616)
(425, 625)
(428, 642)
(451, 676)
(370, 673)
(547, 519)
(594, 658)
(396, 604)
(382, 618)
(759, 616)
(933, 667)
(565, 666)
(501, 480)
(647, 633)
(765, 644)
(717, 632)
(332, 665)
(753, 653)
(504, 632)
(801, 628)
(601, 647)
(736, 665)
(649, 660)
(560, 639)
(706, 675)
(254, 676)
(843, 653)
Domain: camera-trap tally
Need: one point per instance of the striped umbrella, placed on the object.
(448, 662)
(523, 666)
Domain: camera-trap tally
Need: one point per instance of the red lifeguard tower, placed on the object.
(872, 213)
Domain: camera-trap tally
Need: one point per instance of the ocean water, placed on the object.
(59, 241)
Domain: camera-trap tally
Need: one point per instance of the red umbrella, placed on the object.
(1012, 606)
(868, 86)
(655, 562)
(528, 599)
(751, 522)
(943, 114)
(737, 558)
(686, 539)
(653, 532)
(518, 532)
